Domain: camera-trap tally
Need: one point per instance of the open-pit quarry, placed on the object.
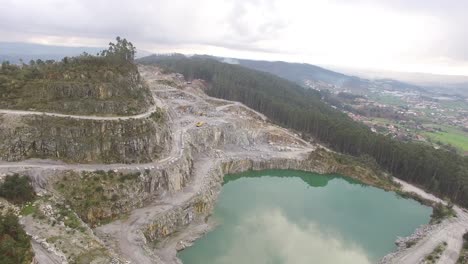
(150, 210)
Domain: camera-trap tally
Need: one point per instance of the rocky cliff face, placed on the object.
(83, 141)
(218, 137)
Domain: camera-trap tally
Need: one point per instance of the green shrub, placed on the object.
(15, 245)
(17, 189)
(157, 116)
(410, 243)
(91, 193)
(441, 211)
(115, 197)
(28, 209)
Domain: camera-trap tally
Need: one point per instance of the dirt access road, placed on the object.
(450, 231)
(146, 114)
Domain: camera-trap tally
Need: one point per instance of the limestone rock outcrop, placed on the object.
(82, 141)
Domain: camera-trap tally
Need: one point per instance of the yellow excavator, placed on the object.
(199, 124)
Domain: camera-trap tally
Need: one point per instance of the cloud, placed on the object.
(166, 21)
(269, 237)
(453, 41)
(368, 33)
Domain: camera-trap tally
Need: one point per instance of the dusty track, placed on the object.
(43, 256)
(450, 231)
(151, 110)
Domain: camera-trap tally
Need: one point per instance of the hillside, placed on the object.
(288, 104)
(301, 72)
(79, 85)
(85, 109)
(312, 76)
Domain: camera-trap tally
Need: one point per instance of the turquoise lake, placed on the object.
(293, 217)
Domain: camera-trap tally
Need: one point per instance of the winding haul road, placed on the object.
(175, 150)
(146, 114)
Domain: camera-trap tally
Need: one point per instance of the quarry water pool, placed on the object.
(294, 217)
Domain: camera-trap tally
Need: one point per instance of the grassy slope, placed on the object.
(452, 136)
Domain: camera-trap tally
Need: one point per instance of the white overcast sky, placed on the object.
(401, 35)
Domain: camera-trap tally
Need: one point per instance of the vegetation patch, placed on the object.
(362, 168)
(97, 197)
(388, 99)
(93, 256)
(410, 243)
(15, 244)
(435, 255)
(29, 209)
(107, 83)
(414, 196)
(56, 222)
(157, 116)
(53, 239)
(452, 136)
(463, 258)
(69, 218)
(17, 189)
(440, 212)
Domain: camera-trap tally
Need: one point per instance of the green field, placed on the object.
(382, 121)
(454, 105)
(452, 136)
(388, 99)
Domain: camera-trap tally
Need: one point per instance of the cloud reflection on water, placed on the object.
(269, 237)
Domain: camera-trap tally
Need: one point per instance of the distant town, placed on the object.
(409, 115)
